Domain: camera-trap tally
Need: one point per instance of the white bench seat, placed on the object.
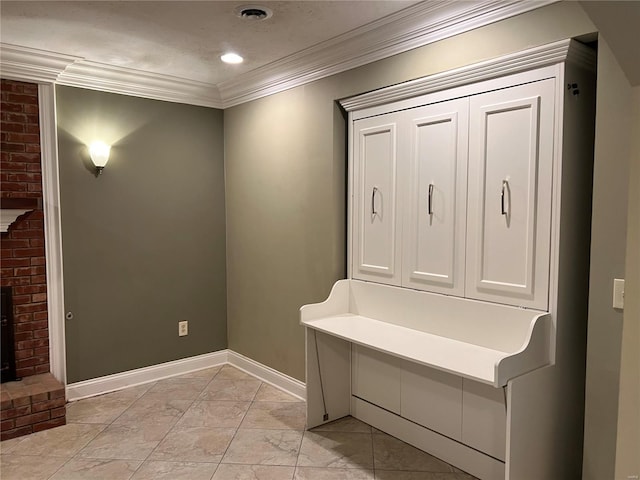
(485, 342)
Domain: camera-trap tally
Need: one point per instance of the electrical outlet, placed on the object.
(183, 328)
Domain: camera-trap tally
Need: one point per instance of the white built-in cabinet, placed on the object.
(410, 173)
(455, 197)
(511, 142)
(435, 184)
(461, 326)
(375, 250)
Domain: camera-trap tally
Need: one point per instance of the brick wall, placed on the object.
(23, 257)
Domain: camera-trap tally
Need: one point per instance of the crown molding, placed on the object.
(416, 26)
(421, 24)
(39, 66)
(537, 57)
(128, 81)
(32, 65)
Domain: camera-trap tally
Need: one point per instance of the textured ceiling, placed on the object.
(182, 39)
(170, 50)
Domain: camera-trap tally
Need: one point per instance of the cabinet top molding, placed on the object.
(537, 57)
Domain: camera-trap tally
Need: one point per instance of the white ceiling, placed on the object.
(170, 50)
(183, 39)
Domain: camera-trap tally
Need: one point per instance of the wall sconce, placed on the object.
(99, 152)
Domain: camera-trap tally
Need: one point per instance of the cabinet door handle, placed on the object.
(505, 187)
(373, 201)
(430, 200)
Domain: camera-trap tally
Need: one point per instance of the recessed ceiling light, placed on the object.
(231, 58)
(253, 12)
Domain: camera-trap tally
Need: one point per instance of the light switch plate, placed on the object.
(618, 293)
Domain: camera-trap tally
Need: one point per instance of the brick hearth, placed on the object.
(33, 404)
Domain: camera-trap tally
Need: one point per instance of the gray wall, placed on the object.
(143, 244)
(608, 245)
(286, 205)
(285, 220)
(628, 444)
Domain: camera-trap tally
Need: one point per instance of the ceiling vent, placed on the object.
(253, 12)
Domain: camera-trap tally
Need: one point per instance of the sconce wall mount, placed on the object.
(99, 153)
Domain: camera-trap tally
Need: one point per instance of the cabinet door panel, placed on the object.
(432, 399)
(375, 202)
(510, 162)
(433, 254)
(375, 378)
(484, 418)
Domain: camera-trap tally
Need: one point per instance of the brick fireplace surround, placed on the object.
(37, 401)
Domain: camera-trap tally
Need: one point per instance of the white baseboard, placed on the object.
(267, 374)
(139, 376)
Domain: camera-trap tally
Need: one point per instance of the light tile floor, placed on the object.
(215, 424)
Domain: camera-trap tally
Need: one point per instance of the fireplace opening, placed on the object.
(8, 350)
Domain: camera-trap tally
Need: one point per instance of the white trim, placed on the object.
(139, 376)
(32, 65)
(52, 231)
(458, 92)
(41, 66)
(267, 374)
(416, 26)
(128, 81)
(526, 60)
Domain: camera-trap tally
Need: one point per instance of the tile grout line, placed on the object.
(114, 420)
(77, 454)
(60, 467)
(152, 384)
(177, 421)
(253, 402)
(373, 453)
(112, 423)
(238, 427)
(106, 426)
(295, 468)
(176, 424)
(149, 454)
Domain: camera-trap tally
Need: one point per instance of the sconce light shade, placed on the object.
(99, 152)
